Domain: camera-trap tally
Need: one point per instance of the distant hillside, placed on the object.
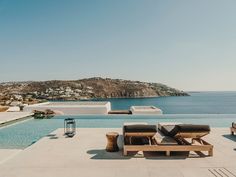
(83, 89)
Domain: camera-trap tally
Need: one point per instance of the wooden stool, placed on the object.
(112, 142)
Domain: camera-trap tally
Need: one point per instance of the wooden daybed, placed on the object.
(167, 138)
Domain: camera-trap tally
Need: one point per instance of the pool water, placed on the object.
(25, 133)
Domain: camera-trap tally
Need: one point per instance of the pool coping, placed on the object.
(6, 123)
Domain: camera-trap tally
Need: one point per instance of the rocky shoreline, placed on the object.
(84, 89)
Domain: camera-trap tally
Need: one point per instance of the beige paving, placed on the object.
(11, 116)
(84, 155)
(6, 154)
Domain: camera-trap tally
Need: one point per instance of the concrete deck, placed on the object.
(6, 154)
(6, 117)
(84, 155)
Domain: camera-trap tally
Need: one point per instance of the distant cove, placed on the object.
(197, 103)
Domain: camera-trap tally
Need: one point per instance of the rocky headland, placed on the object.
(33, 92)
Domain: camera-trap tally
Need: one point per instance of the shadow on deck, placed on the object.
(230, 137)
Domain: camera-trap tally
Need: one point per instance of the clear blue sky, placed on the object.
(187, 44)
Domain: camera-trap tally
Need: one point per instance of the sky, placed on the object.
(186, 44)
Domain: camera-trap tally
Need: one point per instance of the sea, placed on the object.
(196, 103)
(217, 109)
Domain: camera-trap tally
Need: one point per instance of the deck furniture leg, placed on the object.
(232, 132)
(210, 152)
(125, 153)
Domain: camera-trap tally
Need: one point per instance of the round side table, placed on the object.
(112, 142)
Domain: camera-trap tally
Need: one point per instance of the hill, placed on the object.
(90, 88)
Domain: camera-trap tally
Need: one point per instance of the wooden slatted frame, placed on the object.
(153, 146)
(128, 135)
(191, 134)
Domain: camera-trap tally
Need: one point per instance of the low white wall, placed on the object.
(66, 109)
(145, 110)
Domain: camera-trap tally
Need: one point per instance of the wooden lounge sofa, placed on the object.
(167, 138)
(233, 128)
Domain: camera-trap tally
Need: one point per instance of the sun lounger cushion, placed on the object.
(139, 128)
(171, 130)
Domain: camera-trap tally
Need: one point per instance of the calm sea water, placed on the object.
(217, 109)
(197, 103)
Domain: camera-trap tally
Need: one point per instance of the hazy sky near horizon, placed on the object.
(187, 44)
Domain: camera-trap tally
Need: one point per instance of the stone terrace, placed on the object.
(84, 155)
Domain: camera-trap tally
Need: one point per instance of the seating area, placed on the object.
(166, 137)
(85, 153)
(233, 128)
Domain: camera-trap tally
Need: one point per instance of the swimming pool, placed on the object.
(25, 133)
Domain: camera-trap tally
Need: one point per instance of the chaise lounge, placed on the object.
(233, 128)
(167, 138)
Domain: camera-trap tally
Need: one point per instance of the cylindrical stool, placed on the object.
(112, 142)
